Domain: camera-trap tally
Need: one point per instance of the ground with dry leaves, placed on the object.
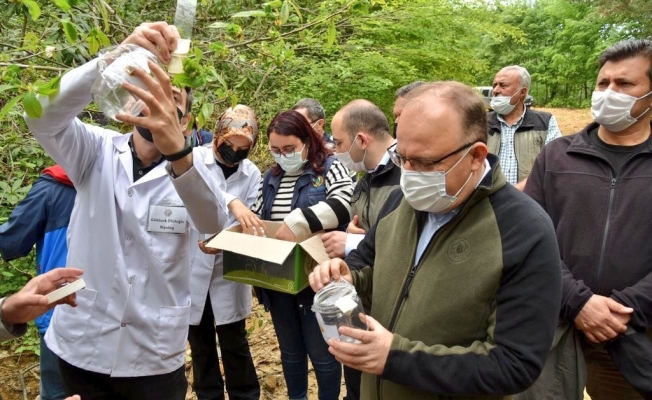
(19, 379)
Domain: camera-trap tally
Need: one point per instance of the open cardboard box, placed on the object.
(267, 262)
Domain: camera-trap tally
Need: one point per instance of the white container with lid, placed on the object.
(337, 304)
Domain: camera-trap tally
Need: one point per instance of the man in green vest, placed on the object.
(516, 132)
(463, 269)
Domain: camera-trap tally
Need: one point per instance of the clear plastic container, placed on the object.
(337, 304)
(114, 68)
(184, 19)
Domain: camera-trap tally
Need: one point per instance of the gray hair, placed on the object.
(313, 107)
(523, 76)
(404, 90)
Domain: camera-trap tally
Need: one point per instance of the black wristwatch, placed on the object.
(180, 154)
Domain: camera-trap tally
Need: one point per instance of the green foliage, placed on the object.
(560, 44)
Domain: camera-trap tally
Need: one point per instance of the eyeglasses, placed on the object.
(421, 165)
(285, 153)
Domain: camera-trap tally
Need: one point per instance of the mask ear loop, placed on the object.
(465, 183)
(365, 151)
(647, 109)
(458, 161)
(467, 179)
(510, 98)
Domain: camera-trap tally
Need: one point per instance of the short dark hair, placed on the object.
(292, 123)
(189, 99)
(629, 49)
(313, 107)
(404, 90)
(362, 115)
(465, 99)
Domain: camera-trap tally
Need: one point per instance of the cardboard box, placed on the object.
(267, 262)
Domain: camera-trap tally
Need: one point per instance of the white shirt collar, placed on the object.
(385, 159)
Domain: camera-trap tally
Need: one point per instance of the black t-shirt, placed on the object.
(139, 169)
(228, 171)
(615, 155)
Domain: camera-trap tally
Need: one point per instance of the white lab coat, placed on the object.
(132, 318)
(231, 301)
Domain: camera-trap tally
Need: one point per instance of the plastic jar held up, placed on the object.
(115, 67)
(337, 304)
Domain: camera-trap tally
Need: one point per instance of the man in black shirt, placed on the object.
(596, 186)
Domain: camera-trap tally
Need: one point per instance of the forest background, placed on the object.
(270, 54)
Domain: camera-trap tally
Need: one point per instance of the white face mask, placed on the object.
(347, 161)
(293, 163)
(612, 109)
(426, 191)
(502, 105)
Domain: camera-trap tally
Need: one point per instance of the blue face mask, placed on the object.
(292, 163)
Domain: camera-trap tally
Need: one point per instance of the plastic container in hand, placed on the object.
(115, 67)
(337, 304)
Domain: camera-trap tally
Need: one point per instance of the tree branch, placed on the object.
(262, 81)
(292, 32)
(39, 67)
(23, 30)
(37, 55)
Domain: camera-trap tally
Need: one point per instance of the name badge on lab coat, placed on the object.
(166, 219)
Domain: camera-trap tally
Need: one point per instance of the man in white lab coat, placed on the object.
(129, 233)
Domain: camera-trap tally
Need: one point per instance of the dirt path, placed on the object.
(262, 339)
(570, 121)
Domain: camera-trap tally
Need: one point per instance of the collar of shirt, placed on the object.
(487, 168)
(516, 124)
(384, 160)
(139, 170)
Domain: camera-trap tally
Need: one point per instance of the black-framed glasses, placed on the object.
(423, 165)
(286, 154)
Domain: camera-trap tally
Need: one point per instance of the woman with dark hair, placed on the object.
(309, 191)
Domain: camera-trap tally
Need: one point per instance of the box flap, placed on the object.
(315, 247)
(272, 250)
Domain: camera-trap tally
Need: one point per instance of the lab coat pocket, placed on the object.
(72, 322)
(168, 247)
(172, 331)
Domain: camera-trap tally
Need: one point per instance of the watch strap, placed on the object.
(180, 154)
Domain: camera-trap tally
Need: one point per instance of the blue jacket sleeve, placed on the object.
(26, 223)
